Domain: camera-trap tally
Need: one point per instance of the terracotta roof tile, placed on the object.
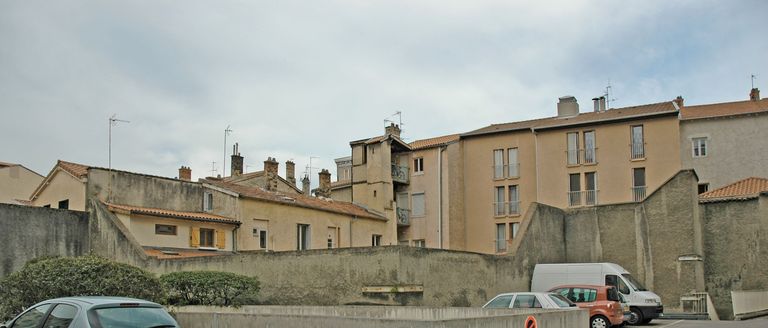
(327, 205)
(178, 253)
(749, 188)
(724, 109)
(78, 170)
(194, 216)
(434, 142)
(609, 115)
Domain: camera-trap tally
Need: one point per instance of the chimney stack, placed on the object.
(392, 129)
(679, 101)
(596, 102)
(324, 190)
(237, 161)
(290, 172)
(567, 106)
(305, 185)
(754, 94)
(270, 169)
(185, 173)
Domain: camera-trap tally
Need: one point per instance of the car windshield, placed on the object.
(560, 300)
(128, 317)
(634, 283)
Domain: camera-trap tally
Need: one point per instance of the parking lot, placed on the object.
(754, 323)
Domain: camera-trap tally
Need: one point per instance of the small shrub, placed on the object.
(209, 288)
(45, 278)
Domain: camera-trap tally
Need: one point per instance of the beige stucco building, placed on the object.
(63, 187)
(725, 142)
(17, 183)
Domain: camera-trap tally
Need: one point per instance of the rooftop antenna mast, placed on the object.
(213, 169)
(608, 95)
(399, 115)
(309, 167)
(227, 131)
(754, 77)
(113, 122)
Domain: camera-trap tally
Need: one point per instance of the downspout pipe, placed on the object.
(234, 239)
(440, 196)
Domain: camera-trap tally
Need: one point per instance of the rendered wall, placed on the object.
(133, 189)
(17, 182)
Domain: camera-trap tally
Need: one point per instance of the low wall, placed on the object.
(384, 317)
(30, 232)
(749, 303)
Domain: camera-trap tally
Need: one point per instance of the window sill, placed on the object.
(415, 174)
(572, 165)
(637, 159)
(590, 164)
(499, 179)
(207, 248)
(513, 178)
(516, 215)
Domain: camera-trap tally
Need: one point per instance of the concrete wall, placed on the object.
(736, 249)
(728, 158)
(141, 190)
(385, 317)
(30, 232)
(748, 304)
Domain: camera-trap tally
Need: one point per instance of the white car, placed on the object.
(528, 301)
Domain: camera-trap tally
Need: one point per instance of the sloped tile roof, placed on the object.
(748, 188)
(194, 216)
(77, 170)
(178, 253)
(327, 205)
(434, 142)
(614, 114)
(724, 109)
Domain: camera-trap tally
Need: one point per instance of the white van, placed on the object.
(644, 304)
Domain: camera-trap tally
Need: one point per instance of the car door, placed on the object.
(500, 302)
(61, 316)
(32, 318)
(526, 301)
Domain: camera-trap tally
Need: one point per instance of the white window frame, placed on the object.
(208, 201)
(513, 163)
(498, 164)
(303, 240)
(263, 240)
(418, 165)
(419, 243)
(572, 148)
(423, 205)
(375, 240)
(501, 237)
(697, 145)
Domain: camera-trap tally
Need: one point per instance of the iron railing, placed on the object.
(400, 173)
(403, 216)
(574, 198)
(638, 150)
(638, 193)
(506, 171)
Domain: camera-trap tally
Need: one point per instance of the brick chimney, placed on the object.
(679, 101)
(185, 173)
(324, 190)
(305, 185)
(270, 169)
(237, 161)
(290, 172)
(754, 94)
(392, 129)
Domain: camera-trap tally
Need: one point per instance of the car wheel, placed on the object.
(636, 318)
(599, 321)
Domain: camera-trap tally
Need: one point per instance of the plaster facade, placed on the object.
(60, 186)
(17, 182)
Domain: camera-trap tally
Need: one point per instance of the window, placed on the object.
(699, 147)
(498, 163)
(61, 316)
(573, 148)
(638, 145)
(514, 201)
(418, 165)
(64, 204)
(376, 240)
(331, 240)
(255, 233)
(513, 229)
(419, 243)
(206, 237)
(584, 295)
(589, 147)
(703, 187)
(501, 238)
(590, 181)
(208, 201)
(32, 318)
(526, 301)
(638, 183)
(165, 229)
(574, 190)
(418, 204)
(302, 237)
(514, 166)
(500, 302)
(263, 239)
(498, 205)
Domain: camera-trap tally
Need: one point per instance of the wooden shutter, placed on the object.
(194, 237)
(220, 239)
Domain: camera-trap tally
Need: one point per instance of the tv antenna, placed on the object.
(113, 122)
(608, 95)
(213, 169)
(227, 131)
(754, 77)
(309, 167)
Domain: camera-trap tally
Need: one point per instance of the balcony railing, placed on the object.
(400, 173)
(586, 197)
(638, 193)
(581, 156)
(637, 150)
(590, 155)
(590, 197)
(572, 157)
(513, 207)
(506, 208)
(506, 171)
(403, 216)
(501, 245)
(499, 209)
(574, 198)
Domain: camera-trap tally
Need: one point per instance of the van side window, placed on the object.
(613, 280)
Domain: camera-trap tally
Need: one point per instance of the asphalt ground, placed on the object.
(761, 322)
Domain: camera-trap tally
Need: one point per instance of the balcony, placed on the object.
(400, 173)
(506, 171)
(581, 156)
(506, 208)
(637, 150)
(403, 217)
(579, 198)
(574, 198)
(638, 193)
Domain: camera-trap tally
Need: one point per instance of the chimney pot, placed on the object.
(754, 94)
(270, 170)
(324, 190)
(392, 129)
(679, 101)
(290, 172)
(596, 102)
(185, 173)
(305, 185)
(237, 161)
(567, 106)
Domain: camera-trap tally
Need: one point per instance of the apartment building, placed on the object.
(725, 142)
(571, 160)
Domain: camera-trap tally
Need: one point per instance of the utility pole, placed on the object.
(227, 131)
(113, 122)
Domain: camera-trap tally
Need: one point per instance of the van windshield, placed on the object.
(636, 285)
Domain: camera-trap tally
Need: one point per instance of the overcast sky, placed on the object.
(296, 79)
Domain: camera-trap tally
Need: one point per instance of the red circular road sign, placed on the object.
(530, 322)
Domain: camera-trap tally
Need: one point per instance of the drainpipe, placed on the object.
(440, 195)
(234, 239)
(536, 161)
